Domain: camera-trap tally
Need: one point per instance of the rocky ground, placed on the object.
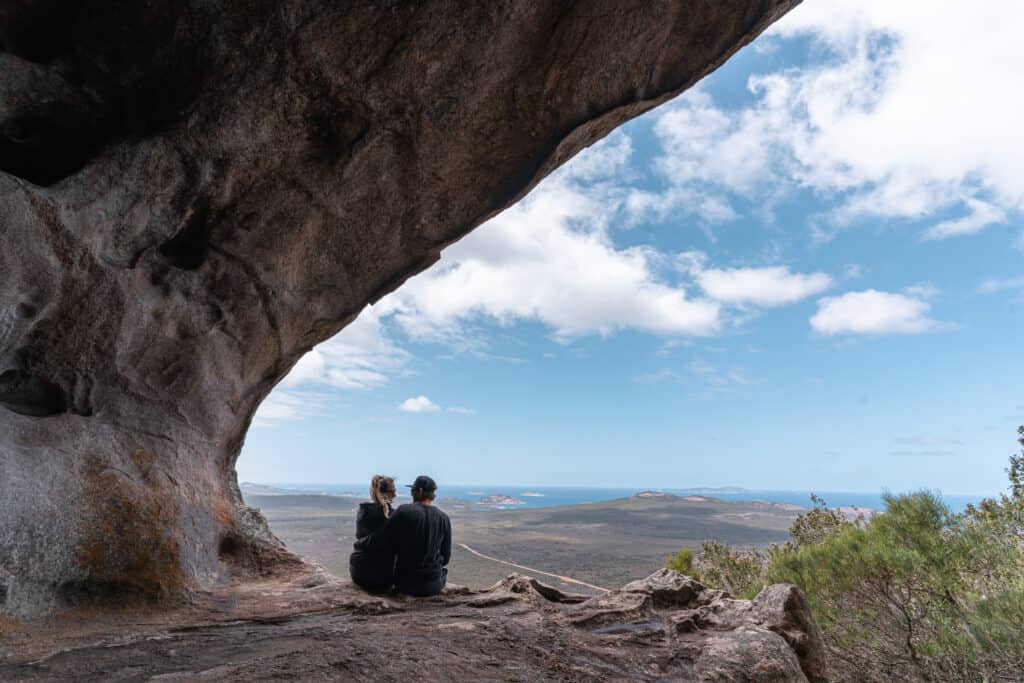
(312, 626)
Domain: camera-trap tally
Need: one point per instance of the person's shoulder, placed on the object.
(372, 508)
(406, 509)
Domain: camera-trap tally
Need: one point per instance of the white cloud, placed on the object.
(772, 286)
(766, 286)
(419, 404)
(608, 159)
(982, 215)
(872, 312)
(550, 258)
(361, 356)
(993, 286)
(284, 405)
(422, 404)
(913, 113)
(922, 290)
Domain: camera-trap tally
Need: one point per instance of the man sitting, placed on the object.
(420, 536)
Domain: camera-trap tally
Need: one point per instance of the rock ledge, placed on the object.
(316, 627)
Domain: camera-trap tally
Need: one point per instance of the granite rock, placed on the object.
(193, 193)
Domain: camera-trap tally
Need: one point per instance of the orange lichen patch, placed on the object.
(223, 512)
(129, 527)
(143, 457)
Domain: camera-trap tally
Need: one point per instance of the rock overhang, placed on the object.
(193, 194)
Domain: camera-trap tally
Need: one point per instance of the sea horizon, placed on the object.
(540, 496)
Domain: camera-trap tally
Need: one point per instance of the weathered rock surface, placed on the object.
(315, 628)
(193, 193)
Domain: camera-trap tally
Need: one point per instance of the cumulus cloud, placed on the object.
(551, 259)
(422, 404)
(283, 405)
(891, 123)
(419, 404)
(894, 123)
(872, 312)
(362, 356)
(772, 286)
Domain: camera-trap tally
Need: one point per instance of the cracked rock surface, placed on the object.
(664, 627)
(193, 193)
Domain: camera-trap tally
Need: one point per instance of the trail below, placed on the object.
(566, 579)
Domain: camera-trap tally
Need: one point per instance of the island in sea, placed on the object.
(501, 499)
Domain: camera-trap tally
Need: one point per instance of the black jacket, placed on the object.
(419, 537)
(370, 518)
(371, 568)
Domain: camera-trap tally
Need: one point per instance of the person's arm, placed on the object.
(360, 522)
(446, 542)
(382, 540)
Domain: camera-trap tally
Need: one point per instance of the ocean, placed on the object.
(550, 496)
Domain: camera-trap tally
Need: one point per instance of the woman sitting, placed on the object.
(374, 571)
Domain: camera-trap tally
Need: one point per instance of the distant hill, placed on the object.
(251, 489)
(303, 501)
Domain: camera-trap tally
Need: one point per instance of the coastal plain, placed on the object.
(578, 548)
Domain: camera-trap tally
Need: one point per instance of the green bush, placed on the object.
(739, 571)
(682, 562)
(914, 593)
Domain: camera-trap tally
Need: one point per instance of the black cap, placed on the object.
(423, 483)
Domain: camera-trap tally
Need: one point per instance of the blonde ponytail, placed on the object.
(379, 486)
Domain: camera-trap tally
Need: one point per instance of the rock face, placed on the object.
(193, 193)
(665, 627)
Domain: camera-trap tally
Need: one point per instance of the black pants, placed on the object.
(422, 587)
(370, 573)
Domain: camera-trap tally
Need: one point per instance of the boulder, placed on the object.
(733, 635)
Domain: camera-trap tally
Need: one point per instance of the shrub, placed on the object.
(682, 562)
(915, 593)
(739, 571)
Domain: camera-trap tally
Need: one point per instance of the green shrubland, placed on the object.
(916, 592)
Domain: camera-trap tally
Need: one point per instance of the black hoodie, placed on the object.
(373, 569)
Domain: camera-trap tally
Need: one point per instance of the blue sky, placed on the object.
(805, 273)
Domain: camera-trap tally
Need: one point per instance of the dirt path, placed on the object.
(566, 579)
